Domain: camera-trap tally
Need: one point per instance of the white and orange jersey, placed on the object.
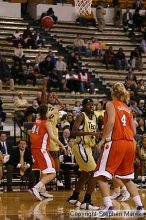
(122, 129)
(39, 137)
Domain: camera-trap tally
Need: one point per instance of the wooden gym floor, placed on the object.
(23, 206)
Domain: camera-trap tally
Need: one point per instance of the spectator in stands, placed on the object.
(29, 74)
(143, 45)
(99, 109)
(32, 111)
(55, 81)
(72, 61)
(137, 20)
(38, 40)
(38, 59)
(120, 60)
(117, 15)
(20, 101)
(78, 44)
(68, 164)
(51, 13)
(108, 57)
(52, 57)
(5, 74)
(136, 59)
(2, 113)
(72, 81)
(135, 108)
(86, 20)
(95, 47)
(18, 73)
(142, 106)
(140, 90)
(127, 20)
(76, 108)
(70, 120)
(17, 37)
(138, 4)
(46, 66)
(20, 162)
(28, 40)
(85, 81)
(100, 13)
(39, 97)
(18, 53)
(60, 66)
(1, 167)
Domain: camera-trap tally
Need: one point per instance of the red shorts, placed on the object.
(43, 161)
(116, 158)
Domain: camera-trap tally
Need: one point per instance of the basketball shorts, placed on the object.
(116, 158)
(84, 158)
(43, 161)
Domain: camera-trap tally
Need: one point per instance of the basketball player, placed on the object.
(118, 148)
(40, 137)
(52, 101)
(85, 131)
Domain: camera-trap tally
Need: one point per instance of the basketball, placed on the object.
(47, 22)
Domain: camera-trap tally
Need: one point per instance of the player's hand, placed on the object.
(99, 146)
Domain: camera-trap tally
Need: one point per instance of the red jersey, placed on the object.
(39, 137)
(122, 129)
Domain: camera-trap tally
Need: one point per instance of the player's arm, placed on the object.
(75, 129)
(133, 126)
(53, 137)
(110, 122)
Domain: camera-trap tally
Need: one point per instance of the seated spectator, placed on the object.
(5, 74)
(38, 59)
(142, 106)
(20, 101)
(137, 20)
(141, 128)
(72, 81)
(51, 13)
(29, 74)
(55, 81)
(99, 109)
(86, 20)
(140, 90)
(143, 161)
(2, 113)
(38, 40)
(70, 120)
(120, 60)
(18, 73)
(60, 66)
(95, 47)
(117, 15)
(85, 81)
(136, 59)
(68, 164)
(127, 20)
(143, 45)
(134, 107)
(138, 4)
(20, 162)
(18, 53)
(46, 66)
(32, 111)
(77, 108)
(72, 61)
(17, 37)
(39, 98)
(108, 57)
(78, 44)
(5, 151)
(28, 40)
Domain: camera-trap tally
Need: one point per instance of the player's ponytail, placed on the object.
(120, 92)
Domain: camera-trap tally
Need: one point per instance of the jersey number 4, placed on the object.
(123, 120)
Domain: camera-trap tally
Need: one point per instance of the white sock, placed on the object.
(39, 185)
(137, 200)
(107, 201)
(117, 190)
(143, 178)
(123, 189)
